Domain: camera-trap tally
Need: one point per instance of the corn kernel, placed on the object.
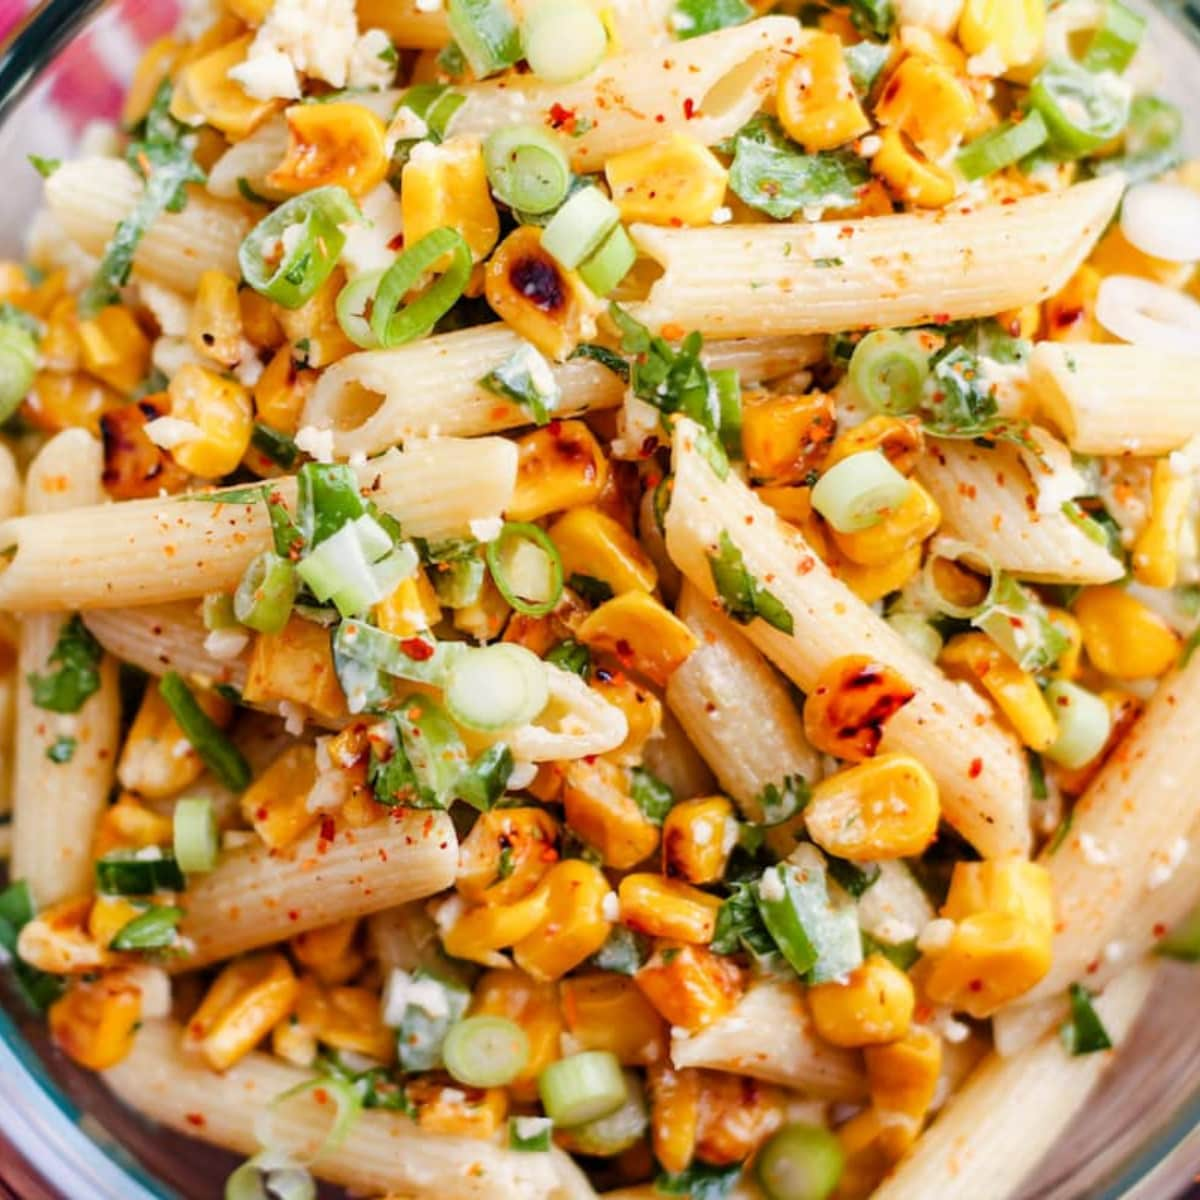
(260, 323)
(784, 438)
(506, 854)
(295, 665)
(60, 348)
(928, 103)
(574, 927)
(1070, 316)
(559, 467)
(157, 760)
(689, 985)
(1156, 551)
(276, 803)
(667, 908)
(455, 1109)
(737, 1114)
(674, 1114)
(794, 505)
(1116, 255)
(898, 439)
(220, 410)
(816, 100)
(57, 940)
(642, 709)
(114, 348)
(294, 1043)
(281, 392)
(204, 88)
(1023, 322)
(866, 1162)
(446, 187)
(482, 931)
(531, 1004)
(57, 402)
(1123, 637)
(697, 838)
(340, 144)
(134, 467)
(909, 175)
(315, 327)
(1013, 29)
(925, 43)
(871, 584)
(329, 952)
(885, 808)
(643, 635)
(903, 1075)
(599, 808)
(129, 825)
(917, 518)
(676, 181)
(1067, 666)
(215, 328)
(604, 1011)
(874, 1006)
(848, 706)
(94, 1023)
(592, 543)
(245, 1002)
(346, 1018)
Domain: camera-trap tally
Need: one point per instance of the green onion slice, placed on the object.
(269, 1176)
(152, 930)
(347, 1105)
(617, 1131)
(18, 365)
(577, 230)
(526, 567)
(1115, 43)
(216, 751)
(485, 1051)
(527, 379)
(859, 491)
(610, 264)
(564, 40)
(889, 370)
(1083, 1032)
(418, 659)
(266, 593)
(486, 33)
(800, 1162)
(498, 687)
(354, 304)
(1082, 111)
(527, 168)
(195, 834)
(128, 873)
(1001, 147)
(395, 323)
(1084, 724)
(217, 609)
(582, 1087)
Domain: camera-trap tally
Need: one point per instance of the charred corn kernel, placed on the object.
(114, 348)
(58, 402)
(574, 926)
(1156, 551)
(1012, 29)
(294, 1043)
(870, 584)
(313, 330)
(129, 825)
(697, 838)
(903, 1075)
(885, 808)
(204, 88)
(157, 760)
(94, 1023)
(1124, 708)
(689, 985)
(674, 1114)
(604, 1011)
(598, 807)
(536, 296)
(561, 466)
(219, 33)
(281, 391)
(794, 505)
(57, 940)
(642, 709)
(917, 518)
(506, 854)
(215, 328)
(446, 186)
(917, 40)
(134, 467)
(295, 665)
(784, 438)
(153, 68)
(909, 175)
(1016, 693)
(340, 144)
(276, 803)
(848, 706)
(1001, 945)
(346, 1018)
(220, 410)
(676, 181)
(875, 1005)
(329, 952)
(260, 323)
(897, 438)
(108, 916)
(929, 103)
(667, 908)
(482, 931)
(815, 98)
(453, 1108)
(245, 1002)
(1070, 315)
(1123, 637)
(531, 1004)
(737, 1114)
(1067, 666)
(643, 635)
(592, 543)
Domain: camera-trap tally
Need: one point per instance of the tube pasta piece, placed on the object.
(1011, 1111)
(58, 803)
(151, 551)
(675, 760)
(770, 1035)
(1117, 399)
(707, 87)
(383, 1151)
(90, 196)
(979, 769)
(736, 709)
(989, 499)
(881, 272)
(378, 398)
(256, 895)
(576, 723)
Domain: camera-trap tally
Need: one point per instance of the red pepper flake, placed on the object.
(293, 914)
(689, 109)
(976, 768)
(562, 118)
(197, 1120)
(417, 648)
(942, 318)
(328, 829)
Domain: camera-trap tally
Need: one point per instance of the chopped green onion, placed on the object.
(124, 873)
(195, 834)
(779, 802)
(564, 40)
(1017, 621)
(1084, 724)
(615, 1132)
(964, 557)
(527, 379)
(354, 304)
(327, 497)
(216, 751)
(422, 1007)
(418, 760)
(1082, 111)
(218, 612)
(654, 797)
(918, 633)
(276, 446)
(1182, 943)
(348, 569)
(728, 383)
(590, 589)
(418, 659)
(458, 584)
(851, 878)
(889, 371)
(485, 780)
(290, 253)
(1083, 1032)
(270, 1176)
(152, 930)
(18, 365)
(62, 749)
(576, 231)
(527, 168)
(486, 34)
(435, 104)
(571, 656)
(742, 596)
(485, 1051)
(395, 323)
(610, 264)
(497, 687)
(858, 492)
(347, 1105)
(527, 568)
(530, 1134)
(694, 18)
(1001, 147)
(266, 593)
(1115, 43)
(800, 1162)
(582, 1087)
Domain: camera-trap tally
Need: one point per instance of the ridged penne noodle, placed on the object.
(770, 1035)
(1011, 1111)
(736, 710)
(979, 770)
(11, 499)
(989, 500)
(383, 1151)
(708, 88)
(256, 896)
(910, 269)
(380, 398)
(91, 196)
(150, 551)
(1117, 399)
(675, 760)
(58, 803)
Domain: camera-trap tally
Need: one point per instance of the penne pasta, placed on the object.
(256, 896)
(736, 710)
(150, 551)
(911, 269)
(674, 759)
(979, 769)
(1117, 399)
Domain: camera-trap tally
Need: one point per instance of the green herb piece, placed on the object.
(482, 784)
(278, 447)
(526, 379)
(588, 587)
(899, 954)
(1061, 833)
(694, 18)
(1182, 943)
(420, 761)
(571, 656)
(38, 988)
(781, 801)
(152, 930)
(866, 61)
(605, 357)
(852, 878)
(1015, 619)
(740, 925)
(75, 673)
(700, 1181)
(742, 596)
(62, 749)
(427, 1019)
(1083, 1032)
(623, 952)
(122, 873)
(783, 182)
(1037, 776)
(45, 167)
(216, 751)
(651, 795)
(530, 1134)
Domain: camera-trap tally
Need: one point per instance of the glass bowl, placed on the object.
(64, 1137)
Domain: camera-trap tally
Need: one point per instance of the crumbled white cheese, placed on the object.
(224, 644)
(429, 996)
(314, 38)
(446, 914)
(1054, 473)
(893, 931)
(1114, 952)
(370, 243)
(395, 998)
(939, 16)
(269, 75)
(372, 61)
(238, 839)
(771, 887)
(526, 1128)
(702, 832)
(293, 717)
(1093, 853)
(170, 310)
(610, 907)
(987, 64)
(316, 442)
(248, 369)
(428, 6)
(1166, 863)
(485, 529)
(170, 354)
(148, 854)
(936, 935)
(169, 432)
(154, 984)
(952, 1030)
(722, 215)
(870, 146)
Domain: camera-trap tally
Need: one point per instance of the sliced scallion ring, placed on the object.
(582, 1087)
(18, 365)
(498, 687)
(610, 264)
(486, 33)
(1148, 314)
(485, 1051)
(395, 323)
(269, 1176)
(1082, 111)
(576, 231)
(526, 567)
(346, 1107)
(859, 491)
(1084, 724)
(266, 593)
(1001, 147)
(353, 309)
(800, 1162)
(195, 834)
(527, 168)
(1114, 43)
(889, 371)
(564, 40)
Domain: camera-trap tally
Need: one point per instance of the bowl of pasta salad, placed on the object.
(599, 598)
